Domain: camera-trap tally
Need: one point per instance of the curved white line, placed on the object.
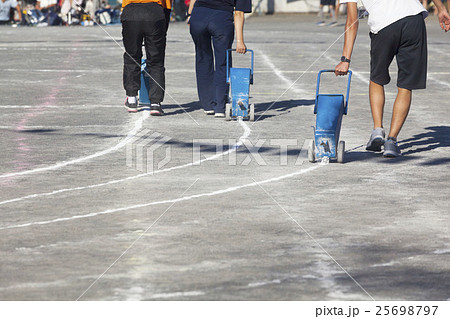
(443, 83)
(50, 106)
(280, 74)
(357, 74)
(239, 143)
(137, 127)
(169, 201)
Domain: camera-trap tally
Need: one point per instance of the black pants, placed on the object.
(144, 22)
(406, 39)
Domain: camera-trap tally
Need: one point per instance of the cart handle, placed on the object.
(228, 64)
(348, 86)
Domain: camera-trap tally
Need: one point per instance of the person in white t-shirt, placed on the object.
(397, 29)
(45, 5)
(5, 9)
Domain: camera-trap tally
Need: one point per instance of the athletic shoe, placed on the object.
(156, 110)
(376, 140)
(209, 112)
(391, 148)
(320, 23)
(219, 115)
(131, 107)
(332, 24)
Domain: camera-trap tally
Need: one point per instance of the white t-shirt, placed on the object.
(5, 7)
(385, 12)
(46, 3)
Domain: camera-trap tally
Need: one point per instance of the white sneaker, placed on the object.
(219, 115)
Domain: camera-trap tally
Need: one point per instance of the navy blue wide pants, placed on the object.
(210, 29)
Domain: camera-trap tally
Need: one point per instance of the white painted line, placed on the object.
(102, 71)
(169, 201)
(438, 51)
(239, 143)
(443, 83)
(275, 70)
(178, 294)
(84, 106)
(137, 127)
(442, 251)
(263, 283)
(358, 75)
(52, 127)
(90, 71)
(99, 71)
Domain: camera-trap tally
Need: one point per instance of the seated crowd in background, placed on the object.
(8, 11)
(58, 12)
(70, 12)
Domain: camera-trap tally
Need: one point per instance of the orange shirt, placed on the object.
(167, 4)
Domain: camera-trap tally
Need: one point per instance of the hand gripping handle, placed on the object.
(229, 66)
(348, 86)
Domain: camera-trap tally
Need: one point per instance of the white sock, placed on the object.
(131, 99)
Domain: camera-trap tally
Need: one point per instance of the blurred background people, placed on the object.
(5, 11)
(331, 7)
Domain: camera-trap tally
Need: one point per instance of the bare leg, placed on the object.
(321, 13)
(337, 9)
(376, 96)
(333, 13)
(400, 111)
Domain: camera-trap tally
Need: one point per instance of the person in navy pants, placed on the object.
(212, 26)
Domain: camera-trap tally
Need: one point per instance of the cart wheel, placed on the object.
(252, 112)
(228, 112)
(311, 152)
(341, 152)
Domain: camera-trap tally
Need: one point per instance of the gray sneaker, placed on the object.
(332, 24)
(391, 148)
(376, 140)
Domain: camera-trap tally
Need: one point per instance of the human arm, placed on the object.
(351, 30)
(239, 27)
(443, 16)
(19, 11)
(189, 12)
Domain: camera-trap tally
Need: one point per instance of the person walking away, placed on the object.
(144, 21)
(331, 5)
(215, 21)
(397, 28)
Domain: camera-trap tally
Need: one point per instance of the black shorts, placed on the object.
(328, 2)
(405, 39)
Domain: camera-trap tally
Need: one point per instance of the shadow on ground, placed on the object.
(281, 107)
(435, 137)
